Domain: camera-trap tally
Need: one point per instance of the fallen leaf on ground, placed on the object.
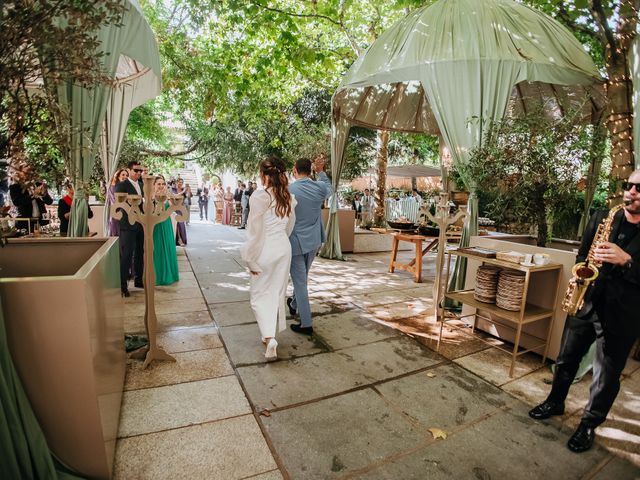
(437, 433)
(431, 374)
(267, 413)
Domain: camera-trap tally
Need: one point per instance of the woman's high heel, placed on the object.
(271, 354)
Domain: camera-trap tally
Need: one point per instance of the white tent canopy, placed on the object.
(449, 68)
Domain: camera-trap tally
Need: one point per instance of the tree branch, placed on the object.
(299, 15)
(167, 153)
(597, 12)
(571, 23)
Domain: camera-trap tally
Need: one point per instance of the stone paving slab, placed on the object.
(171, 321)
(351, 328)
(189, 339)
(505, 445)
(444, 397)
(289, 382)
(245, 347)
(328, 438)
(234, 313)
(493, 365)
(189, 366)
(171, 406)
(224, 450)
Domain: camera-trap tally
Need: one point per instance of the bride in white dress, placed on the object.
(267, 251)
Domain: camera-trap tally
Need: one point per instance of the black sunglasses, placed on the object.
(138, 170)
(628, 185)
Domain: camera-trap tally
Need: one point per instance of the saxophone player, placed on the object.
(610, 317)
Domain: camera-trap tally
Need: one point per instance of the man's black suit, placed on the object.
(610, 317)
(131, 242)
(22, 200)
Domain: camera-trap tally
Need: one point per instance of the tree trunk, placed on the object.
(619, 93)
(541, 219)
(381, 171)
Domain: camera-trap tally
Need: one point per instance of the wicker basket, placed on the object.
(513, 257)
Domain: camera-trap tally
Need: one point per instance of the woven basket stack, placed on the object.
(510, 289)
(486, 284)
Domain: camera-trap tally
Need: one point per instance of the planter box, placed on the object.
(63, 313)
(346, 226)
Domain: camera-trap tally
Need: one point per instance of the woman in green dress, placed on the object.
(165, 258)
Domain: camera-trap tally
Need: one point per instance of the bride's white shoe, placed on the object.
(271, 353)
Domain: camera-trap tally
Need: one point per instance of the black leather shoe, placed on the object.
(125, 293)
(546, 409)
(292, 310)
(138, 284)
(582, 439)
(300, 329)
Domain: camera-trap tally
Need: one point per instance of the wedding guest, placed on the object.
(218, 199)
(64, 209)
(30, 198)
(120, 176)
(131, 236)
(188, 195)
(267, 251)
(203, 202)
(181, 229)
(368, 205)
(229, 207)
(165, 258)
(246, 195)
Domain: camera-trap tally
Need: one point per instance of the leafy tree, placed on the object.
(54, 41)
(607, 29)
(530, 166)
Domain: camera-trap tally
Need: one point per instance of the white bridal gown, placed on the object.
(268, 251)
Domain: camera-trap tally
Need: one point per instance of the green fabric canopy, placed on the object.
(132, 60)
(450, 68)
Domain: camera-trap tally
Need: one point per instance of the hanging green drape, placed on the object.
(339, 134)
(133, 39)
(24, 453)
(142, 86)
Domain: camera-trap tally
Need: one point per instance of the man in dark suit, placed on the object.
(610, 317)
(131, 236)
(30, 201)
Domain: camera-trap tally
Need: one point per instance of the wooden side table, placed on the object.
(415, 265)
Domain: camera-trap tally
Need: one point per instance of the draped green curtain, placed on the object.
(464, 97)
(87, 107)
(339, 134)
(23, 448)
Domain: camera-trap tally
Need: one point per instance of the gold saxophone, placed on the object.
(585, 273)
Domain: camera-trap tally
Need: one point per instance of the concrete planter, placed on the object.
(63, 313)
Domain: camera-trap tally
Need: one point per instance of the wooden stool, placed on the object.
(415, 265)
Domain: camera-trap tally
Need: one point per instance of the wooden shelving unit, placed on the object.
(527, 313)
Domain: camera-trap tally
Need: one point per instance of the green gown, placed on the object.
(165, 258)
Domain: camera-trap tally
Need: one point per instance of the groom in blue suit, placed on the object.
(307, 236)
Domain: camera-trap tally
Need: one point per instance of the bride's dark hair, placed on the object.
(275, 170)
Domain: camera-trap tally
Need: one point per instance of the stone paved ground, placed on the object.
(357, 400)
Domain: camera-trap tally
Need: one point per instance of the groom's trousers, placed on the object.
(300, 266)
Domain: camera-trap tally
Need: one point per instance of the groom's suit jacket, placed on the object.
(308, 233)
(127, 186)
